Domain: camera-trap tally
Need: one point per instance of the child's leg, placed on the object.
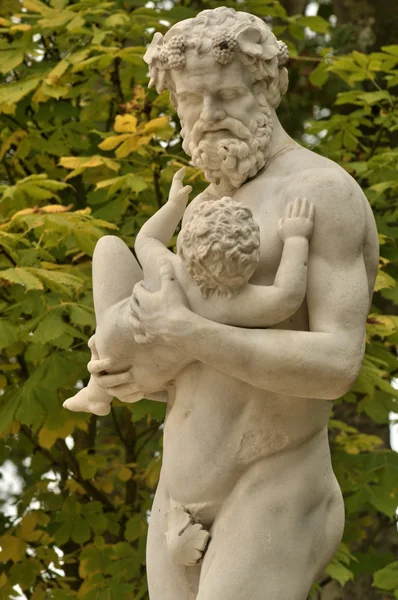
(92, 399)
(115, 273)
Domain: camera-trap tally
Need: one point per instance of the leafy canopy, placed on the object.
(86, 150)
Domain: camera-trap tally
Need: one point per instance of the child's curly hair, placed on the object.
(220, 246)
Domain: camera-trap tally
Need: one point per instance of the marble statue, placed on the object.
(248, 332)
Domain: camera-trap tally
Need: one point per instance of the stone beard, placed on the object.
(227, 151)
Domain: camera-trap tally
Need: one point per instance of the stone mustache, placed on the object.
(248, 332)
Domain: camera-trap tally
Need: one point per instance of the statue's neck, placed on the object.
(280, 140)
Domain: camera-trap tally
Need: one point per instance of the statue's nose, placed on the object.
(211, 111)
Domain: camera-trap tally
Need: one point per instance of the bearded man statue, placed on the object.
(228, 149)
(247, 506)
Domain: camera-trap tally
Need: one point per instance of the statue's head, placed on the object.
(220, 246)
(224, 70)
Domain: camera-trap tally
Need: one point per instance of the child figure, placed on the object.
(218, 250)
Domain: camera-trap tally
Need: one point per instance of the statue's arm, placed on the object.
(321, 363)
(266, 305)
(162, 225)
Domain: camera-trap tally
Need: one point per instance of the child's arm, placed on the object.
(263, 306)
(162, 225)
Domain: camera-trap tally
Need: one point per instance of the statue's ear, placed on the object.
(283, 80)
(249, 41)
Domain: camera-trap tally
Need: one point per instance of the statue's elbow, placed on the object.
(344, 378)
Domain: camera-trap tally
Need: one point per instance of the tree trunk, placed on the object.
(375, 21)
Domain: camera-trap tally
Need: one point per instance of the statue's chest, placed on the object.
(267, 206)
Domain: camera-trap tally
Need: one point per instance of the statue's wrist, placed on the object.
(179, 327)
(297, 239)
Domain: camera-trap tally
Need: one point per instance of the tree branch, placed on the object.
(73, 463)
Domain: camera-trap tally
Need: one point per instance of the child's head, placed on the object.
(220, 246)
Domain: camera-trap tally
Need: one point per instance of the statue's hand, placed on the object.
(154, 315)
(178, 193)
(119, 385)
(298, 221)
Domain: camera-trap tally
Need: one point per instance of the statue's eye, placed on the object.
(188, 97)
(228, 94)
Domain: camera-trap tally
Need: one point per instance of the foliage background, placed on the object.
(86, 150)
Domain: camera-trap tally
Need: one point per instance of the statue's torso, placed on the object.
(218, 427)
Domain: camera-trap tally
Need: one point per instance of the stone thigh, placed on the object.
(261, 550)
(115, 273)
(166, 579)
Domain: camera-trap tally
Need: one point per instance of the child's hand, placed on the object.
(178, 193)
(298, 221)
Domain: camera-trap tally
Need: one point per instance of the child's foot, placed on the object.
(81, 403)
(187, 541)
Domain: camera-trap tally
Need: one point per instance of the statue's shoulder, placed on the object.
(326, 184)
(192, 205)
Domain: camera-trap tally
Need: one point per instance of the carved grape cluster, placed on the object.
(224, 47)
(172, 53)
(283, 54)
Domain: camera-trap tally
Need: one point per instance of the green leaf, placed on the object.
(319, 75)
(315, 23)
(8, 333)
(339, 572)
(387, 578)
(391, 49)
(23, 277)
(80, 530)
(12, 93)
(50, 328)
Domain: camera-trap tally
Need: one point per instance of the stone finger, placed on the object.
(296, 208)
(113, 380)
(96, 366)
(123, 391)
(304, 208)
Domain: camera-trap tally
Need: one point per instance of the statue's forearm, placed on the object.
(161, 226)
(297, 363)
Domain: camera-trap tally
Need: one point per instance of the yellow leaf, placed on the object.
(4, 22)
(3, 580)
(55, 75)
(21, 27)
(107, 486)
(114, 140)
(35, 6)
(13, 139)
(48, 437)
(15, 427)
(56, 208)
(71, 162)
(7, 108)
(156, 125)
(124, 473)
(27, 529)
(128, 146)
(40, 95)
(10, 59)
(383, 281)
(12, 548)
(126, 123)
(54, 91)
(74, 487)
(39, 592)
